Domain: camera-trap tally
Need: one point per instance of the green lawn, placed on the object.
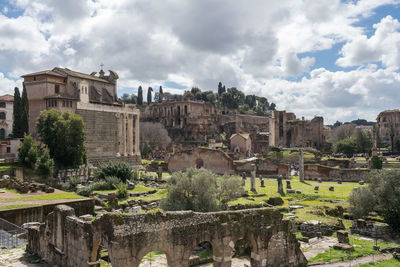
(361, 248)
(54, 196)
(6, 168)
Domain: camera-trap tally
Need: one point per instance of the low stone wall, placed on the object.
(20, 216)
(373, 229)
(264, 167)
(316, 171)
(66, 240)
(133, 160)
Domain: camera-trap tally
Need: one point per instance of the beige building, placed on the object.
(112, 128)
(241, 144)
(6, 115)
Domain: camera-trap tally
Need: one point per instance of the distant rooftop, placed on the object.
(45, 72)
(7, 97)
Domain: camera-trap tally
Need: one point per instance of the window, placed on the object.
(63, 103)
(8, 149)
(2, 133)
(2, 116)
(57, 89)
(34, 78)
(2, 104)
(55, 102)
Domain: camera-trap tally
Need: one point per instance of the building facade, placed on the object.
(388, 126)
(6, 115)
(112, 128)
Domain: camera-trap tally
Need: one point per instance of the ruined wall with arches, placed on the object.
(65, 239)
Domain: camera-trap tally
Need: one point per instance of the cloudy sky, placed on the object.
(337, 59)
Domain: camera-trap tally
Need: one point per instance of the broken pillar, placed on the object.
(253, 178)
(301, 165)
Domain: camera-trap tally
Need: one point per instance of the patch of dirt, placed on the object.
(317, 245)
(17, 257)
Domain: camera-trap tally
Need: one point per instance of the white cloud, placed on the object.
(383, 46)
(199, 43)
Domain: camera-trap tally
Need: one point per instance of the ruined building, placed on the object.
(112, 128)
(6, 115)
(196, 121)
(388, 123)
(66, 240)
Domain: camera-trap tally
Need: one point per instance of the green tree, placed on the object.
(160, 95)
(45, 165)
(64, 135)
(220, 89)
(24, 111)
(363, 141)
(345, 146)
(28, 152)
(376, 162)
(272, 106)
(17, 129)
(382, 195)
(149, 95)
(145, 149)
(199, 190)
(140, 96)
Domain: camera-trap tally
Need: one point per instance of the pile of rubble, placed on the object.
(22, 186)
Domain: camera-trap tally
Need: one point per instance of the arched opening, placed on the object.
(2, 133)
(179, 110)
(154, 259)
(242, 252)
(201, 254)
(199, 163)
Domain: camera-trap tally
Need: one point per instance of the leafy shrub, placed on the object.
(100, 185)
(85, 191)
(119, 169)
(45, 165)
(112, 182)
(28, 152)
(376, 162)
(73, 182)
(382, 195)
(122, 191)
(199, 190)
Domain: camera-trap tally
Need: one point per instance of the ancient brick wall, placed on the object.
(315, 171)
(69, 241)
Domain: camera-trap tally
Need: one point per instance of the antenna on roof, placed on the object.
(101, 65)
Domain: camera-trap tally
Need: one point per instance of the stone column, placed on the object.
(120, 135)
(253, 178)
(130, 135)
(301, 165)
(124, 134)
(137, 140)
(280, 185)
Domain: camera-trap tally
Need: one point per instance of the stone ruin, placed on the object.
(23, 187)
(66, 240)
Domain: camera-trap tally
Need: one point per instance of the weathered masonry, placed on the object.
(66, 240)
(112, 127)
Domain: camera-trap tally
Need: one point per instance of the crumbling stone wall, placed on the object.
(315, 171)
(210, 159)
(68, 241)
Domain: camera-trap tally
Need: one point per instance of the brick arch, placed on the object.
(195, 243)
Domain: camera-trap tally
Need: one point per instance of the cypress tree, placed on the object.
(149, 95)
(16, 132)
(160, 95)
(140, 96)
(24, 111)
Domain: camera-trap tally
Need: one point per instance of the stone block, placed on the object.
(344, 247)
(343, 237)
(275, 201)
